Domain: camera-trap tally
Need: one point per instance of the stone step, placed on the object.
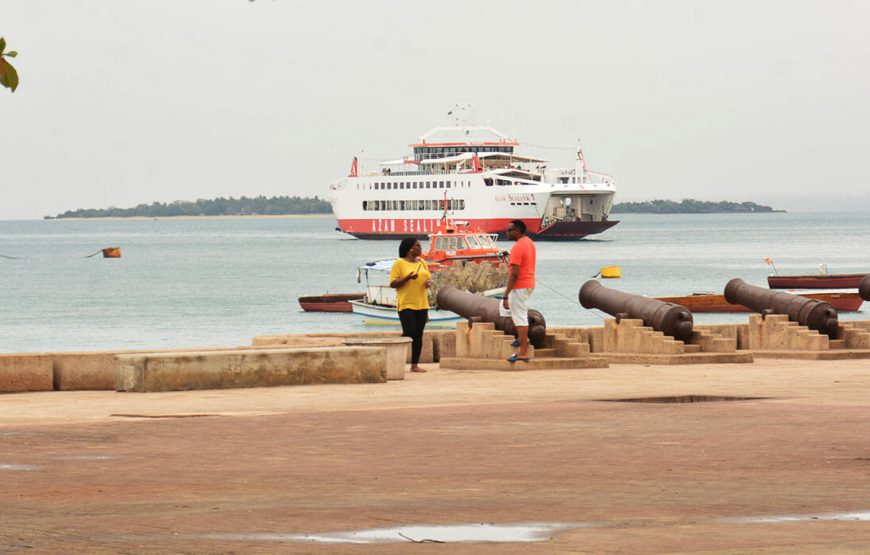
(546, 352)
(837, 343)
(572, 349)
(540, 363)
(692, 348)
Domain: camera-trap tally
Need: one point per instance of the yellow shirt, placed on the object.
(413, 293)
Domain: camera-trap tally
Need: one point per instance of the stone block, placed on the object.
(21, 372)
(84, 371)
(249, 368)
(398, 352)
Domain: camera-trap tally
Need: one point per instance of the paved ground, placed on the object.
(244, 470)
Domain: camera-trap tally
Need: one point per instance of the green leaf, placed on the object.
(11, 54)
(12, 77)
(8, 75)
(2, 44)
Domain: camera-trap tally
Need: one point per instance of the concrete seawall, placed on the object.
(260, 368)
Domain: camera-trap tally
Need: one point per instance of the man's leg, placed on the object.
(523, 333)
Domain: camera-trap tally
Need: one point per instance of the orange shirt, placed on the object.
(523, 255)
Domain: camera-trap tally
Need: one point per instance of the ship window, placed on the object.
(440, 184)
(472, 242)
(365, 205)
(455, 244)
(448, 184)
(415, 184)
(441, 243)
(487, 181)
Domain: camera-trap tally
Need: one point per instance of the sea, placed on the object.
(220, 282)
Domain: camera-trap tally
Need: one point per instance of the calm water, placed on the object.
(186, 283)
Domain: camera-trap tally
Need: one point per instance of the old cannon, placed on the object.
(864, 288)
(816, 315)
(668, 318)
(486, 309)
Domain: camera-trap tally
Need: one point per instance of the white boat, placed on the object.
(379, 304)
(487, 183)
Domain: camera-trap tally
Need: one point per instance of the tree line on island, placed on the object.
(285, 206)
(243, 206)
(688, 206)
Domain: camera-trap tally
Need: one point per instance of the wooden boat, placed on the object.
(334, 302)
(816, 281)
(379, 303)
(111, 252)
(711, 302)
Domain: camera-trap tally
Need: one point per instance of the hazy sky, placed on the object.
(125, 102)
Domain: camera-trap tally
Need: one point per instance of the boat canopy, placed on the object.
(471, 135)
(397, 162)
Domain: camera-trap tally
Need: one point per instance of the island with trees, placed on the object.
(243, 206)
(689, 206)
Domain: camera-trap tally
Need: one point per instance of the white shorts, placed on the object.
(519, 301)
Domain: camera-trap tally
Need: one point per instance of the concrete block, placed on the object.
(249, 368)
(21, 372)
(398, 352)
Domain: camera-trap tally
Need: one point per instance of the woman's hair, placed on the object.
(405, 246)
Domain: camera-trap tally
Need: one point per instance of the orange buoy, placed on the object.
(112, 252)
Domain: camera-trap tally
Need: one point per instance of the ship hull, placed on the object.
(816, 281)
(844, 302)
(399, 228)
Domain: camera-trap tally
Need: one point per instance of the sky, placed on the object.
(122, 103)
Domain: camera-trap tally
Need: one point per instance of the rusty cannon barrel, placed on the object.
(668, 318)
(816, 315)
(864, 288)
(477, 308)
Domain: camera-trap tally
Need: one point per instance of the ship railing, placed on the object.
(416, 172)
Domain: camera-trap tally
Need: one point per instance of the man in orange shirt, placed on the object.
(520, 285)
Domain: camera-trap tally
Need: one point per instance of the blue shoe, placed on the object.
(516, 343)
(513, 358)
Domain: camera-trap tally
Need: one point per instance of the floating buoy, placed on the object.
(609, 272)
(108, 252)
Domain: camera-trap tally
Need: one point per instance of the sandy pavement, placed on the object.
(252, 470)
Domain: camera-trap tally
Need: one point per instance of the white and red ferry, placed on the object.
(487, 184)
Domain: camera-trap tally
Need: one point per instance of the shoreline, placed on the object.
(222, 217)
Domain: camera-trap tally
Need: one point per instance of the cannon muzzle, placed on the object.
(816, 315)
(668, 318)
(864, 288)
(485, 309)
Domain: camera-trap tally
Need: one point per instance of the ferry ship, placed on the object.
(477, 172)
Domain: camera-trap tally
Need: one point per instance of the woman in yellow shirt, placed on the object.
(411, 279)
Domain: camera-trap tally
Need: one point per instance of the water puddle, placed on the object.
(85, 458)
(679, 399)
(777, 519)
(19, 467)
(526, 532)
